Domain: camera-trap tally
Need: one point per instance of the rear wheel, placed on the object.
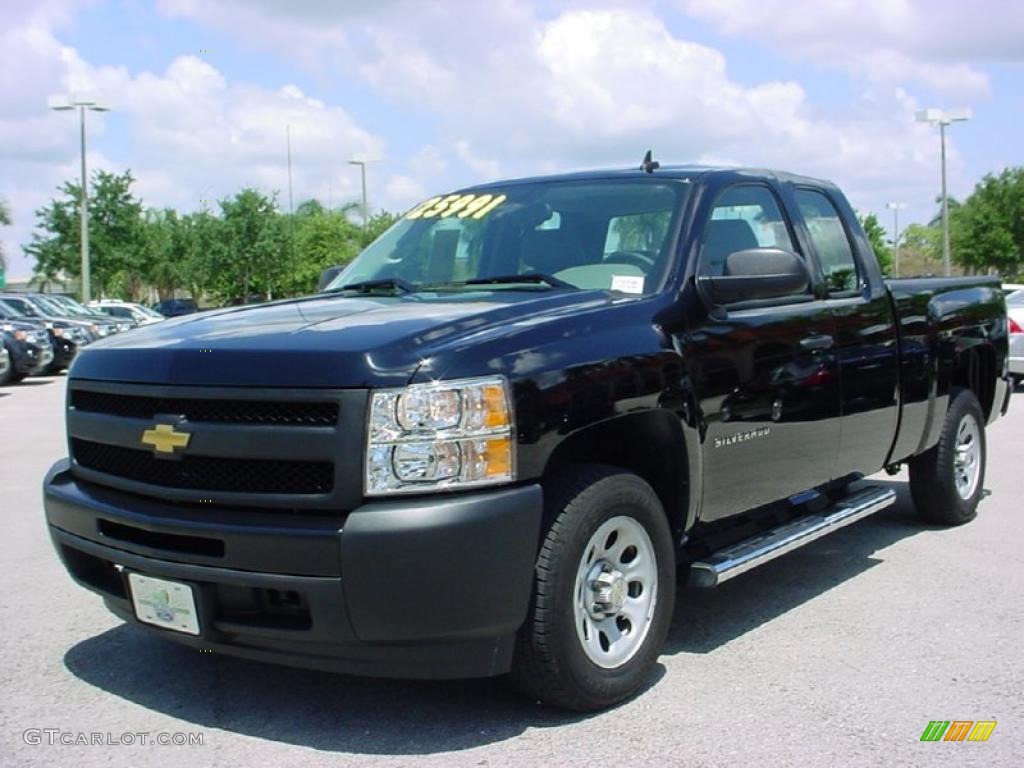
(946, 482)
(603, 593)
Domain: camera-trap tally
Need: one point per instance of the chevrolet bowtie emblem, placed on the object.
(164, 439)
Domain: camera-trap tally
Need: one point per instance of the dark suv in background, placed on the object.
(30, 306)
(66, 336)
(175, 307)
(28, 347)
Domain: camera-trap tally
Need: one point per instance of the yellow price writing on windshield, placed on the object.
(466, 206)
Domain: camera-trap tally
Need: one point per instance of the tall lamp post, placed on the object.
(943, 118)
(362, 173)
(895, 208)
(63, 103)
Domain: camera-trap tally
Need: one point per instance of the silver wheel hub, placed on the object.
(608, 589)
(615, 592)
(967, 459)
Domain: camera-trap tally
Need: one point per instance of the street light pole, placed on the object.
(895, 208)
(942, 119)
(362, 173)
(84, 214)
(945, 204)
(63, 103)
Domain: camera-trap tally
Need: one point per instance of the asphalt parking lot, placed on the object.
(838, 654)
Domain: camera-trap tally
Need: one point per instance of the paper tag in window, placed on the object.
(628, 283)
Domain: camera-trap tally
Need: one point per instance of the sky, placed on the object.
(439, 95)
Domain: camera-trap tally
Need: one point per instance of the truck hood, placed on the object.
(320, 341)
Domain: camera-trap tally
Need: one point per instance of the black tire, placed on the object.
(550, 662)
(11, 376)
(933, 484)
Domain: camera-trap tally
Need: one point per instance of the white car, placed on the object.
(137, 313)
(1015, 313)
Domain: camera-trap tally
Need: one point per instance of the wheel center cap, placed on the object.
(608, 589)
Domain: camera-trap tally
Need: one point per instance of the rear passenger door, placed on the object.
(866, 341)
(765, 372)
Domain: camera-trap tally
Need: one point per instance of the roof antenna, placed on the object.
(649, 165)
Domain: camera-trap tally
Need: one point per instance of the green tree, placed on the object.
(987, 230)
(164, 252)
(256, 258)
(876, 236)
(378, 224)
(5, 221)
(323, 238)
(115, 233)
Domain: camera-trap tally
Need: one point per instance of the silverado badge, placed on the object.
(163, 438)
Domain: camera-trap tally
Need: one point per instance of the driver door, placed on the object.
(765, 373)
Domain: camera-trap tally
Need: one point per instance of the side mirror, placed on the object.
(327, 276)
(756, 273)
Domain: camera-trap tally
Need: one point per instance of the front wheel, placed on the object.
(946, 482)
(603, 595)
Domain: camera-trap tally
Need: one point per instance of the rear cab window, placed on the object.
(831, 241)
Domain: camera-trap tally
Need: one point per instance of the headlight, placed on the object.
(431, 437)
(102, 330)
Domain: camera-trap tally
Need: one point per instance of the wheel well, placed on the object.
(649, 444)
(975, 369)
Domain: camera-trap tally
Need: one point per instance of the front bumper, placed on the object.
(30, 359)
(433, 587)
(64, 352)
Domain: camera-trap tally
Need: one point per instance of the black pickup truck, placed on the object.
(501, 435)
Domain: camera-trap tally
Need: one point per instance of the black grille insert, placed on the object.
(204, 473)
(296, 413)
(175, 542)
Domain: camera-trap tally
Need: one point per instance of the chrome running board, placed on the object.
(750, 553)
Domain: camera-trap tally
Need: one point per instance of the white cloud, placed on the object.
(935, 43)
(505, 88)
(401, 192)
(195, 135)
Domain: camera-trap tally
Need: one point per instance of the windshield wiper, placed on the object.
(528, 277)
(396, 284)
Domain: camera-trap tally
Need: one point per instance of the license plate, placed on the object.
(163, 603)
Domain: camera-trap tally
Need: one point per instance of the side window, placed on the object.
(830, 240)
(745, 216)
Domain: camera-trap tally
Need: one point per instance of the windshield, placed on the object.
(22, 307)
(7, 311)
(70, 305)
(49, 307)
(607, 234)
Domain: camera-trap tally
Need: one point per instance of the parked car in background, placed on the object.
(30, 306)
(66, 336)
(28, 346)
(1011, 288)
(175, 307)
(1015, 316)
(127, 310)
(5, 363)
(71, 308)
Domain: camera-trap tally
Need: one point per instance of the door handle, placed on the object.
(816, 343)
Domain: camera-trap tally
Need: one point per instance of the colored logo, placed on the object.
(958, 730)
(163, 438)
